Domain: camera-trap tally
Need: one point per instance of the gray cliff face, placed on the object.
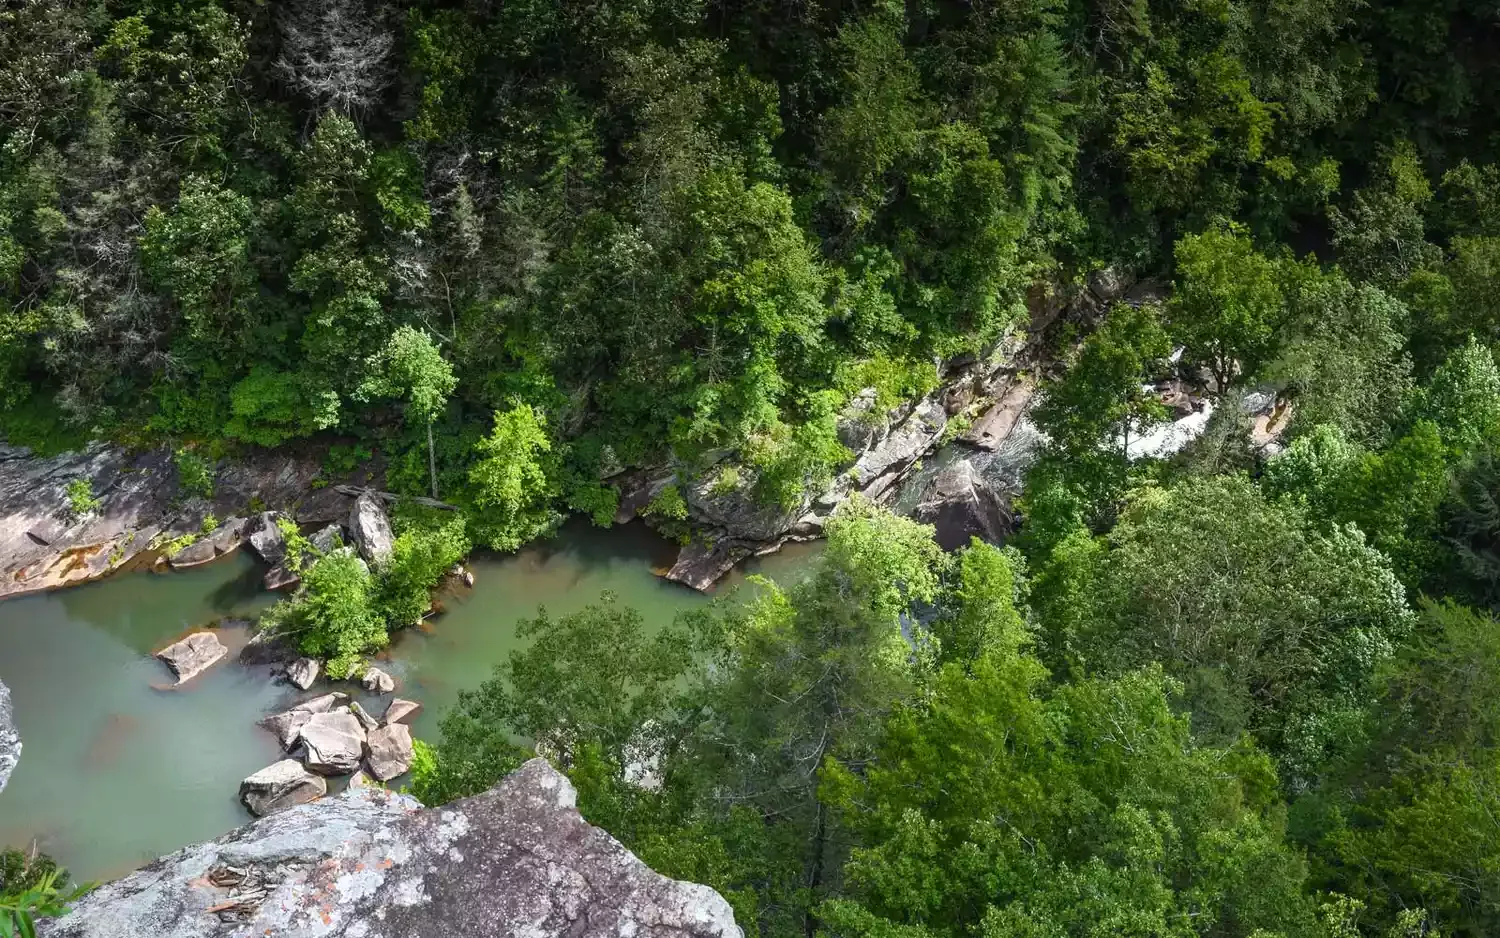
(516, 860)
(44, 545)
(10, 740)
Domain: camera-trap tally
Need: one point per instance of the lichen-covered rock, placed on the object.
(371, 529)
(10, 740)
(193, 655)
(390, 751)
(279, 786)
(334, 742)
(303, 672)
(517, 860)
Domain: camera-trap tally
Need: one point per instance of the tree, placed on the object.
(411, 366)
(512, 494)
(1228, 307)
(1089, 416)
(1274, 625)
(332, 615)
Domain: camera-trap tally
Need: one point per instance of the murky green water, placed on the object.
(117, 770)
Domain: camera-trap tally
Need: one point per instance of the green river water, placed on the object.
(117, 768)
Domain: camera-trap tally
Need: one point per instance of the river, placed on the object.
(117, 768)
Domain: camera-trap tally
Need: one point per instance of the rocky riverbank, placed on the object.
(10, 740)
(517, 860)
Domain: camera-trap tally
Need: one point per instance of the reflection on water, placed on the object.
(114, 772)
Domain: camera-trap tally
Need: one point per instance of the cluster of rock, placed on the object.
(329, 735)
(516, 860)
(367, 530)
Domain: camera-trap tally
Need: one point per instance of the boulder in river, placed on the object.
(371, 529)
(334, 742)
(402, 711)
(277, 787)
(280, 577)
(193, 655)
(390, 751)
(363, 716)
(266, 538)
(303, 672)
(516, 860)
(10, 740)
(377, 681)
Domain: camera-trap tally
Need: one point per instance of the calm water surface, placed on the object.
(117, 769)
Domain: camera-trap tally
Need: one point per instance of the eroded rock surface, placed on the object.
(10, 740)
(516, 860)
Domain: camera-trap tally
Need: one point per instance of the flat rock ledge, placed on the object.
(516, 860)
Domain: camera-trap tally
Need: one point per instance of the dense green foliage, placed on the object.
(32, 887)
(521, 247)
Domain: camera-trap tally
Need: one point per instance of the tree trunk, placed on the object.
(432, 460)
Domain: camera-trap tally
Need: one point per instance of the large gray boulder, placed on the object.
(961, 504)
(371, 529)
(516, 860)
(334, 742)
(390, 751)
(401, 711)
(288, 725)
(10, 740)
(279, 786)
(266, 538)
(193, 655)
(303, 672)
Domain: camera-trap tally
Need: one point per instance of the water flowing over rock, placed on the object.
(10, 740)
(334, 742)
(193, 655)
(516, 860)
(280, 786)
(390, 751)
(371, 529)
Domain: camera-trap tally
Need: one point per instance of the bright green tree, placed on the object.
(411, 366)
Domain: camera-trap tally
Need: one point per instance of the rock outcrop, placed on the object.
(10, 740)
(193, 655)
(961, 504)
(517, 860)
(44, 544)
(279, 786)
(225, 538)
(266, 538)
